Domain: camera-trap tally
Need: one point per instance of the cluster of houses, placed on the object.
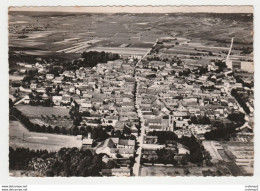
(106, 91)
(169, 99)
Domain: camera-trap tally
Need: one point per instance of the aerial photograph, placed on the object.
(130, 93)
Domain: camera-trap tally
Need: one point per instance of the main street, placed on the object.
(140, 138)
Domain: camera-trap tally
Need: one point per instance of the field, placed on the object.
(37, 111)
(53, 116)
(19, 136)
(123, 51)
(173, 171)
(41, 33)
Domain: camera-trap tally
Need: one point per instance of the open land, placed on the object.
(81, 32)
(19, 136)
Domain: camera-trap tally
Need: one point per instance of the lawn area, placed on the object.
(19, 136)
(37, 111)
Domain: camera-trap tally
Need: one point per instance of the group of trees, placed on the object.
(223, 133)
(241, 99)
(202, 70)
(65, 162)
(36, 100)
(200, 120)
(163, 136)
(91, 59)
(237, 117)
(196, 149)
(246, 50)
(221, 65)
(125, 134)
(19, 158)
(166, 156)
(240, 80)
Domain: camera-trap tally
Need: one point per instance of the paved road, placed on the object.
(140, 138)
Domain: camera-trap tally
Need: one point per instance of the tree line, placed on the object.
(91, 59)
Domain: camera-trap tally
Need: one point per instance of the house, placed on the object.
(110, 120)
(49, 76)
(116, 172)
(150, 139)
(107, 145)
(120, 172)
(33, 86)
(66, 99)
(119, 126)
(128, 144)
(128, 106)
(122, 153)
(84, 106)
(106, 172)
(26, 99)
(57, 100)
(114, 147)
(182, 150)
(87, 143)
(57, 80)
(40, 90)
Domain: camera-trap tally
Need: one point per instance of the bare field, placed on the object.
(19, 136)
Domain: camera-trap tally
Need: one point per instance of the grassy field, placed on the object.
(19, 136)
(37, 111)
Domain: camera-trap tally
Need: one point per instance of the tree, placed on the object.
(75, 130)
(237, 117)
(110, 164)
(118, 133)
(63, 130)
(56, 130)
(82, 130)
(43, 129)
(119, 156)
(49, 129)
(186, 171)
(11, 103)
(77, 120)
(196, 157)
(126, 131)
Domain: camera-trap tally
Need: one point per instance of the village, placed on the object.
(144, 112)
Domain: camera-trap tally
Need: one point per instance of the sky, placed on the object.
(146, 9)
